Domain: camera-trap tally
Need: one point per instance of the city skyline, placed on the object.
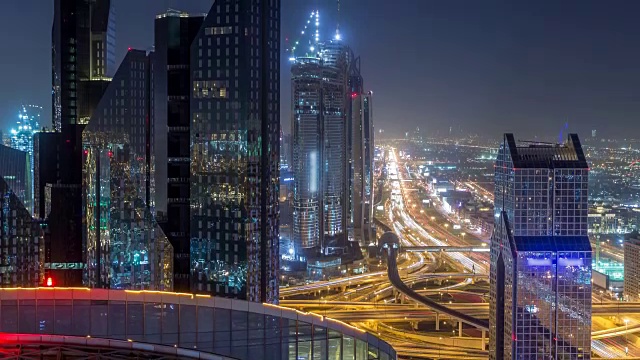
(473, 67)
(217, 178)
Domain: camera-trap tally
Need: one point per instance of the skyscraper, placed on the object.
(174, 35)
(15, 169)
(83, 41)
(307, 127)
(632, 269)
(235, 149)
(362, 163)
(540, 291)
(124, 247)
(22, 139)
(20, 235)
(83, 58)
(319, 130)
(20, 242)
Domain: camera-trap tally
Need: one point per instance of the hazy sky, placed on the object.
(483, 66)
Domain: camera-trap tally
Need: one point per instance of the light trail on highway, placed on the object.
(369, 299)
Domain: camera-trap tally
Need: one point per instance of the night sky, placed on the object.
(483, 67)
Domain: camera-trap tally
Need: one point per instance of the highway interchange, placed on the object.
(369, 301)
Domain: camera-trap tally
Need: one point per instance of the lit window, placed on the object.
(218, 30)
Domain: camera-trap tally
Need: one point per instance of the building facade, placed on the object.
(540, 277)
(632, 269)
(21, 237)
(362, 163)
(22, 139)
(174, 34)
(320, 159)
(15, 169)
(83, 58)
(235, 150)
(307, 128)
(21, 240)
(124, 246)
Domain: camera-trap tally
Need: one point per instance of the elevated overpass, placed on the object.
(381, 311)
(390, 242)
(443, 249)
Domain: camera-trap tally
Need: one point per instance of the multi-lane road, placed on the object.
(369, 301)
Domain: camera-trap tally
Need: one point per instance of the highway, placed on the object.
(390, 240)
(369, 301)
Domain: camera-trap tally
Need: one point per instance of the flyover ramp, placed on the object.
(396, 281)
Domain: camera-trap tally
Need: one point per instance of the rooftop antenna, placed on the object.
(566, 128)
(338, 37)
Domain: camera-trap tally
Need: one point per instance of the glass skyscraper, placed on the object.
(319, 130)
(21, 237)
(307, 128)
(362, 148)
(540, 292)
(235, 149)
(22, 139)
(83, 58)
(15, 169)
(171, 61)
(125, 248)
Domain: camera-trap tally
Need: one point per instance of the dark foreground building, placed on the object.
(235, 150)
(124, 246)
(114, 324)
(83, 58)
(540, 293)
(21, 237)
(174, 34)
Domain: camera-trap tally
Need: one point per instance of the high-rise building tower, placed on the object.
(15, 170)
(319, 130)
(540, 291)
(356, 87)
(83, 41)
(124, 247)
(362, 163)
(307, 128)
(235, 149)
(83, 58)
(22, 139)
(632, 269)
(174, 35)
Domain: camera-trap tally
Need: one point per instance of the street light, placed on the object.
(626, 338)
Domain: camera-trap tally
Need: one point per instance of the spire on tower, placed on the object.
(338, 22)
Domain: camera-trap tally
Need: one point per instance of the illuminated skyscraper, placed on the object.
(15, 170)
(319, 130)
(235, 150)
(306, 131)
(22, 139)
(124, 247)
(362, 163)
(21, 238)
(540, 292)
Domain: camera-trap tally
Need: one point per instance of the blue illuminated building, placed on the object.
(540, 293)
(21, 138)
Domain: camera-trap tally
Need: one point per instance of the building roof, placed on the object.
(531, 154)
